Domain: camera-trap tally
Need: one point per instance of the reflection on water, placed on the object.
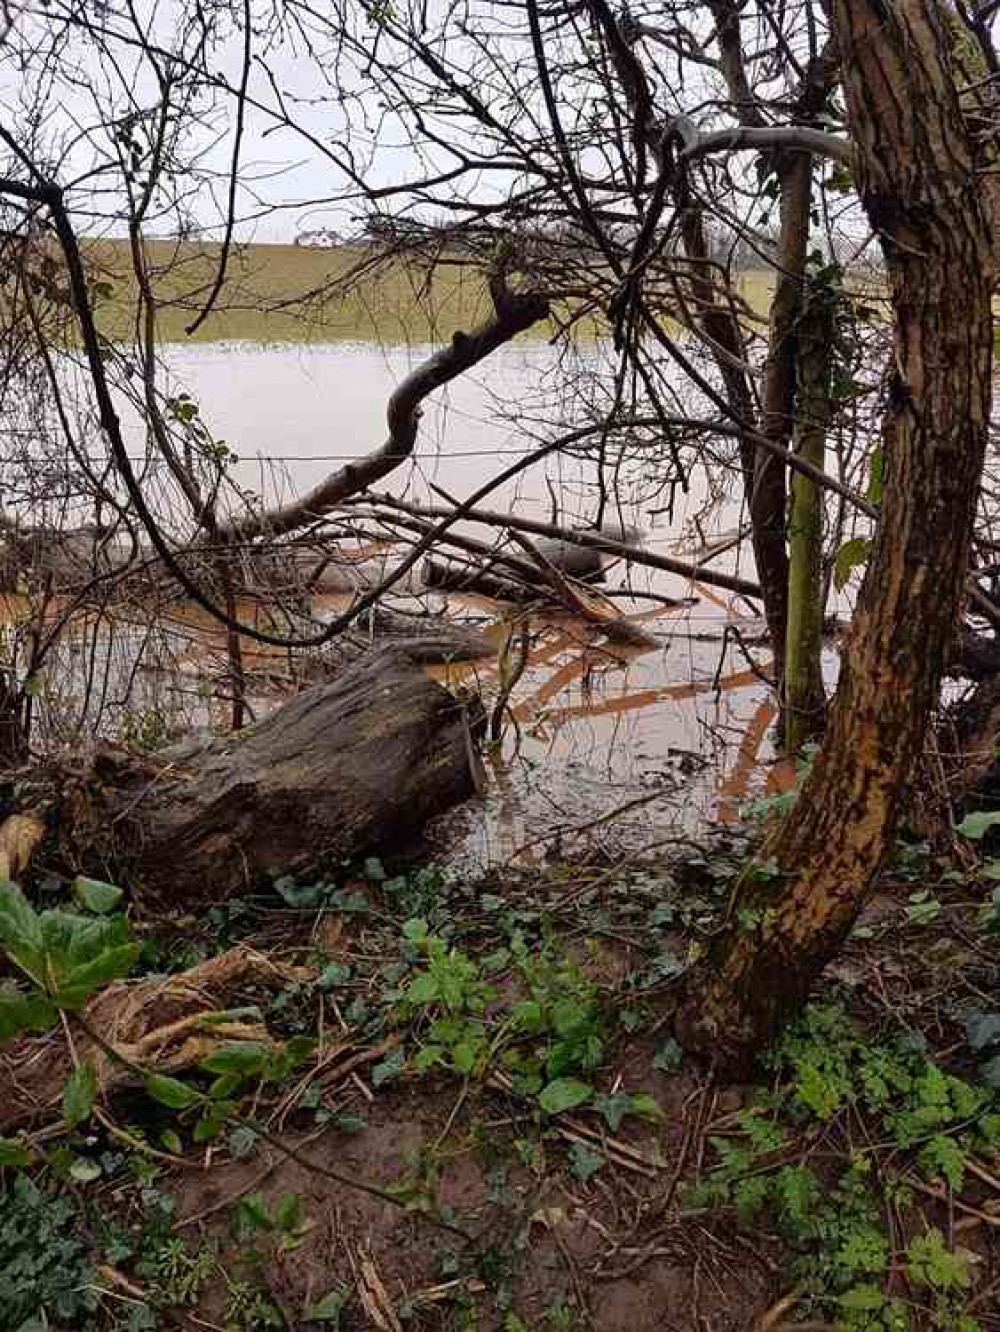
(673, 734)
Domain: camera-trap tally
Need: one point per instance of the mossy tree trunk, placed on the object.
(805, 697)
(916, 176)
(769, 496)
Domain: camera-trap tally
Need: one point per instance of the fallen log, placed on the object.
(359, 764)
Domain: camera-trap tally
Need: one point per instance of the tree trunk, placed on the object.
(805, 697)
(767, 500)
(917, 181)
(354, 766)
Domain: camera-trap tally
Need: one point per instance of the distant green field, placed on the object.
(292, 293)
(286, 293)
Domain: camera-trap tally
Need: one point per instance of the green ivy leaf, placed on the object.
(241, 1142)
(389, 1068)
(564, 1094)
(982, 1029)
(300, 896)
(583, 1162)
(423, 989)
(171, 1092)
(252, 1213)
(669, 1057)
(95, 895)
(613, 1108)
(336, 973)
(464, 1057)
(79, 1094)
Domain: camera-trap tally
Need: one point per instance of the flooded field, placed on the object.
(620, 742)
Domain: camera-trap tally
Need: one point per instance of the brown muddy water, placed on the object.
(626, 745)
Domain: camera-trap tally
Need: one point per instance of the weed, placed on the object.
(248, 1309)
(176, 1273)
(47, 1276)
(836, 1231)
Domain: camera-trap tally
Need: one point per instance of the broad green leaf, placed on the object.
(646, 1107)
(976, 825)
(253, 1211)
(299, 1049)
(246, 1059)
(564, 1094)
(79, 1094)
(73, 990)
(415, 929)
(208, 1127)
(429, 1057)
(25, 1012)
(862, 1299)
(95, 895)
(171, 1092)
(13, 1153)
(288, 1213)
(669, 1057)
(241, 1142)
(21, 931)
(224, 1086)
(328, 1309)
(851, 554)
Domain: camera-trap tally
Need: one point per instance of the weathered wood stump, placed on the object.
(359, 764)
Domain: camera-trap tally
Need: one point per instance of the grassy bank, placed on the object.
(285, 293)
(292, 293)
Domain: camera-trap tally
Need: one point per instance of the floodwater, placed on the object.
(628, 745)
(672, 734)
